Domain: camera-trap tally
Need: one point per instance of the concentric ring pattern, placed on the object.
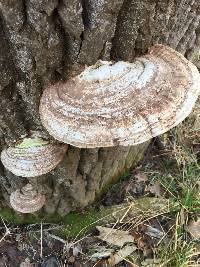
(33, 161)
(122, 103)
(27, 200)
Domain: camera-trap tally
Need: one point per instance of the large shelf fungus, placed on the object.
(33, 156)
(122, 103)
(27, 200)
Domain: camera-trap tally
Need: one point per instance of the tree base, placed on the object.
(80, 178)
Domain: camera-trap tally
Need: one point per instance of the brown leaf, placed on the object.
(141, 177)
(154, 232)
(26, 263)
(114, 236)
(117, 257)
(155, 189)
(139, 239)
(194, 229)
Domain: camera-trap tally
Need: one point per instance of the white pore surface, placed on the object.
(104, 70)
(140, 71)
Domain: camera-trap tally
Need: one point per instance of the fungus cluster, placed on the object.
(33, 156)
(108, 104)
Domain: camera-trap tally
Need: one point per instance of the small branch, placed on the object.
(7, 231)
(41, 238)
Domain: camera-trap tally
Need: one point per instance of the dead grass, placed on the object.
(181, 183)
(161, 237)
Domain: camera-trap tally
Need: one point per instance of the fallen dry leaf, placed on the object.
(121, 255)
(76, 250)
(194, 229)
(155, 189)
(141, 177)
(154, 232)
(26, 263)
(139, 238)
(151, 262)
(102, 252)
(117, 257)
(114, 237)
(147, 235)
(51, 261)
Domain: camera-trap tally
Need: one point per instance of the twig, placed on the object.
(41, 238)
(57, 238)
(7, 231)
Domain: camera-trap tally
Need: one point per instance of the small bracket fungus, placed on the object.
(122, 103)
(33, 157)
(27, 200)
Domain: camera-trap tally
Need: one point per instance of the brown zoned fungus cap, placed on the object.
(122, 103)
(27, 200)
(33, 157)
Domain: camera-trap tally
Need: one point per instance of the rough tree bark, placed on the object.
(43, 41)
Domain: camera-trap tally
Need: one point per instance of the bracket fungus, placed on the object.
(27, 200)
(33, 157)
(122, 103)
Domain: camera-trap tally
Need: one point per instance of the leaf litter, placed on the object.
(150, 218)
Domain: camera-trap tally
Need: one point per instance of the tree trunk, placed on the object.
(43, 41)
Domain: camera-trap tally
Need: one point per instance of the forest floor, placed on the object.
(151, 217)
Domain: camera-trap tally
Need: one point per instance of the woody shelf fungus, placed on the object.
(33, 157)
(122, 103)
(27, 200)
